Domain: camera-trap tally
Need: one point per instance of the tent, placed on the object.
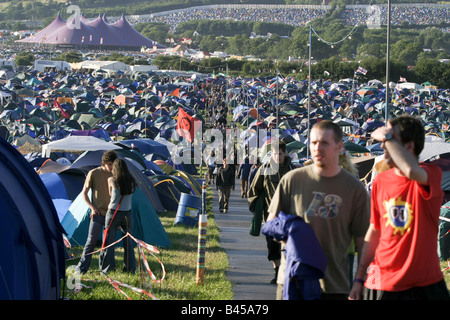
(146, 146)
(433, 146)
(32, 256)
(98, 33)
(78, 143)
(354, 148)
(189, 180)
(168, 193)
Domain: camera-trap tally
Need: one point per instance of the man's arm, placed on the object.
(366, 257)
(85, 194)
(402, 156)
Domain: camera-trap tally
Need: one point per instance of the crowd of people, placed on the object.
(414, 15)
(291, 16)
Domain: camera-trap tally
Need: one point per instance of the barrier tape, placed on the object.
(448, 266)
(116, 285)
(151, 249)
(141, 246)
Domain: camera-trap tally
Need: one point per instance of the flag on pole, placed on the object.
(187, 126)
(402, 79)
(65, 114)
(175, 93)
(361, 70)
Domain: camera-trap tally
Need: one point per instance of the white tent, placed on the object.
(5, 97)
(410, 85)
(78, 143)
(433, 146)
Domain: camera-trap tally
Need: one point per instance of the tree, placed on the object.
(156, 31)
(24, 59)
(434, 71)
(70, 57)
(406, 51)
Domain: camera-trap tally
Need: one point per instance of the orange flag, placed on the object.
(186, 126)
(175, 93)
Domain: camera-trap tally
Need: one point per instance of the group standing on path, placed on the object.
(394, 226)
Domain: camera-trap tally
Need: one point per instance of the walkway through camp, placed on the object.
(250, 272)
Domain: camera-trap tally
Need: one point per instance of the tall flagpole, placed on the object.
(387, 61)
(277, 106)
(309, 89)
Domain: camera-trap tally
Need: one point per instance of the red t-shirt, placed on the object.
(407, 214)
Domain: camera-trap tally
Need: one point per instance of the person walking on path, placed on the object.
(265, 181)
(96, 182)
(121, 187)
(225, 182)
(253, 170)
(211, 163)
(400, 257)
(243, 174)
(332, 201)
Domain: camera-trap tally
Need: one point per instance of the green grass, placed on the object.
(180, 263)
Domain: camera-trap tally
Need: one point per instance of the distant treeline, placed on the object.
(426, 70)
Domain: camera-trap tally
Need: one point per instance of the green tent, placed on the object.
(354, 148)
(295, 146)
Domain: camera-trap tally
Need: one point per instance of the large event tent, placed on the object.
(80, 32)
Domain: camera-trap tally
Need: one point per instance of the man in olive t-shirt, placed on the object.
(332, 201)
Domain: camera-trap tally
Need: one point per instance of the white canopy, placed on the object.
(433, 146)
(78, 143)
(410, 85)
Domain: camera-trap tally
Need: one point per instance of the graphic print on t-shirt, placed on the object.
(324, 205)
(398, 215)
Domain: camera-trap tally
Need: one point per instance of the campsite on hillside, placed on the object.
(58, 118)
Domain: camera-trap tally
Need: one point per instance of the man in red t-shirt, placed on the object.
(399, 260)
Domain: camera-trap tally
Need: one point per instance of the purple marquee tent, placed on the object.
(80, 32)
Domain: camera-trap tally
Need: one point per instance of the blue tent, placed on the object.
(32, 255)
(168, 193)
(146, 146)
